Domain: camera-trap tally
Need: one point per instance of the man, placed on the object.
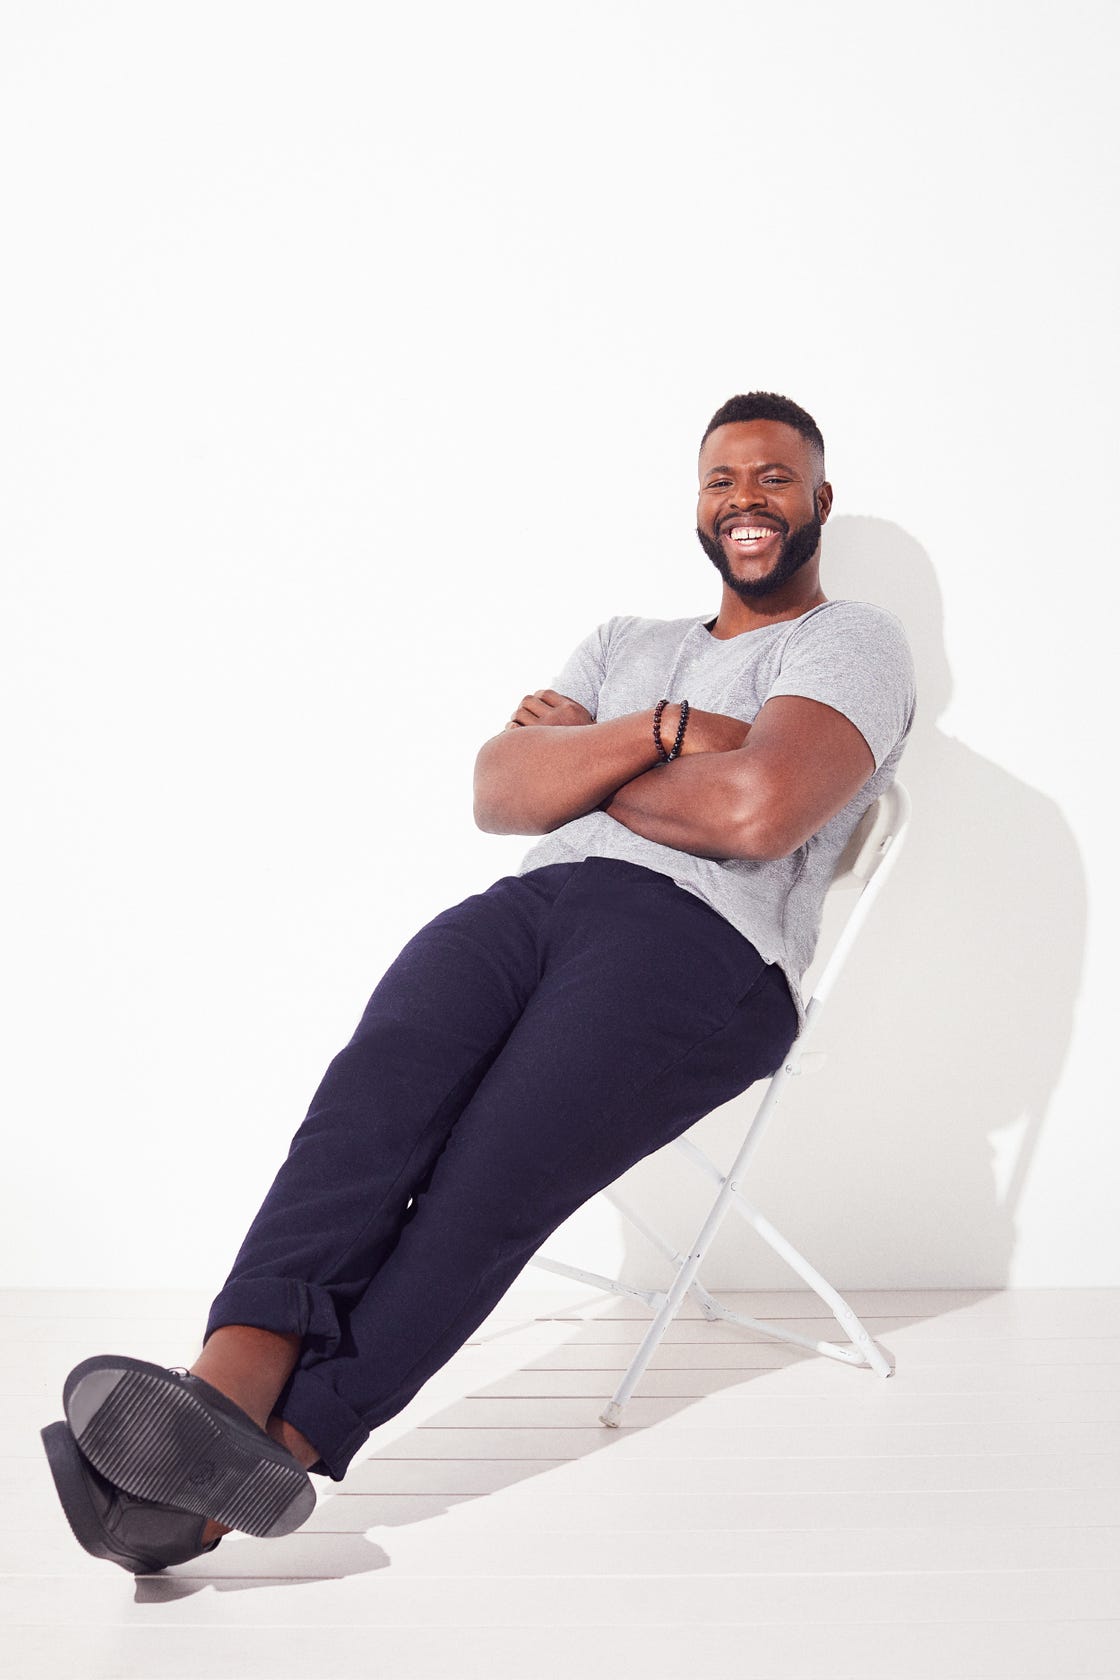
(694, 782)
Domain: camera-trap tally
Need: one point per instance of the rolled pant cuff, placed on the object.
(288, 1306)
(327, 1422)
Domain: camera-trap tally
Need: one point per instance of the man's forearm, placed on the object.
(695, 805)
(803, 762)
(532, 780)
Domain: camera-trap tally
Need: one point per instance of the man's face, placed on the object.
(761, 508)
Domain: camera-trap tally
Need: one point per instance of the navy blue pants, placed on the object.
(524, 1050)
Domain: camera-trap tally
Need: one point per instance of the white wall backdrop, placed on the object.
(354, 363)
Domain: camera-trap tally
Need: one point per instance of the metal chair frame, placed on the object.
(865, 864)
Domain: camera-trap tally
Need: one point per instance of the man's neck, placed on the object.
(737, 616)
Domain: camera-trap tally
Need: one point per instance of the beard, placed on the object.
(797, 549)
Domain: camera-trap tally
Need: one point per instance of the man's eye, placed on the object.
(775, 481)
(719, 483)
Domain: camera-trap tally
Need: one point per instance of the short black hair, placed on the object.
(768, 405)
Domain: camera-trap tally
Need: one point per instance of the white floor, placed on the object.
(762, 1514)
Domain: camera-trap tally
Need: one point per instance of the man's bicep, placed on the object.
(803, 762)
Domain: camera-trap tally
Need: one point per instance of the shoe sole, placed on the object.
(143, 1430)
(64, 1460)
(71, 1474)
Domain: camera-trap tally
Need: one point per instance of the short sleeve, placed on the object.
(855, 658)
(581, 676)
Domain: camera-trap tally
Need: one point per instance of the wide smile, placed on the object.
(744, 538)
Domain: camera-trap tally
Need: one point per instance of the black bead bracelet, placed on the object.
(668, 757)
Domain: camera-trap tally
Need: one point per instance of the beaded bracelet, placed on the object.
(668, 757)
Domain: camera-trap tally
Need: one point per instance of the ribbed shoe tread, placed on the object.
(152, 1436)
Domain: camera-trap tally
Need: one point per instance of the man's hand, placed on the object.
(546, 706)
(537, 778)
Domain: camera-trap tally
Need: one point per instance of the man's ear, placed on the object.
(824, 500)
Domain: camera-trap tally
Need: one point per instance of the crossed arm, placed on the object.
(738, 790)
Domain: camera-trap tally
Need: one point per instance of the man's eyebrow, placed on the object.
(765, 466)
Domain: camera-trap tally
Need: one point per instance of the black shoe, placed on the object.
(136, 1533)
(167, 1436)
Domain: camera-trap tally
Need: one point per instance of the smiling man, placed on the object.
(776, 491)
(693, 783)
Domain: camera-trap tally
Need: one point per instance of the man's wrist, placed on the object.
(670, 724)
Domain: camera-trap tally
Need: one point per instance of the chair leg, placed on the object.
(862, 1350)
(879, 1359)
(611, 1414)
(609, 1286)
(853, 1354)
(682, 1282)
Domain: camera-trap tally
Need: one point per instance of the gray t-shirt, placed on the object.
(848, 654)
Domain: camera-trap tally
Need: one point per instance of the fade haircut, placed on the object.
(768, 405)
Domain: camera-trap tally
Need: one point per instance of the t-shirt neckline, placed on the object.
(779, 624)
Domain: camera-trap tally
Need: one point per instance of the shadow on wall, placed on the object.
(903, 1160)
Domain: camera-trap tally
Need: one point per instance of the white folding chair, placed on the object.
(860, 875)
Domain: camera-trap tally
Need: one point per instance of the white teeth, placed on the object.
(750, 533)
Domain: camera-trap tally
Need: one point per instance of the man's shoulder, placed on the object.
(858, 641)
(844, 629)
(842, 617)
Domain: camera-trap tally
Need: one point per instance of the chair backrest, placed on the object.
(877, 830)
(863, 864)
